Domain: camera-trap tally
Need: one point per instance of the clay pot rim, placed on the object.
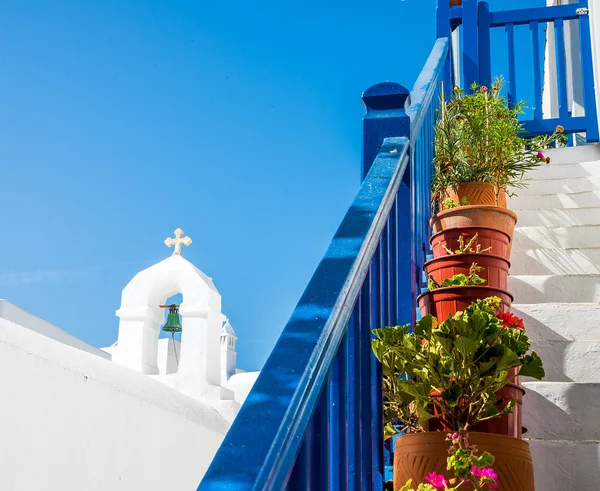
(473, 227)
(460, 209)
(442, 436)
(456, 289)
(480, 254)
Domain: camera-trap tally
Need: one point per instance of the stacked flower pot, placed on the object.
(489, 229)
(487, 226)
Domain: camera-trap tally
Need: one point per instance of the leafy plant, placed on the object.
(466, 248)
(466, 463)
(450, 370)
(478, 139)
(449, 203)
(459, 279)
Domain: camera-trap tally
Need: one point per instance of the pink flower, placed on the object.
(488, 475)
(541, 156)
(438, 481)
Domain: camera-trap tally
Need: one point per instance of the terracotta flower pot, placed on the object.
(443, 302)
(494, 217)
(510, 424)
(418, 454)
(476, 193)
(495, 272)
(486, 237)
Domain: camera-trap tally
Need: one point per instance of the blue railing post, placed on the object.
(470, 44)
(485, 53)
(386, 116)
(444, 30)
(386, 104)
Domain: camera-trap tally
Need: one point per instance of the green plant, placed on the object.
(466, 463)
(450, 370)
(459, 279)
(449, 203)
(466, 248)
(478, 138)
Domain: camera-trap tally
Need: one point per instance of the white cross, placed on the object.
(178, 241)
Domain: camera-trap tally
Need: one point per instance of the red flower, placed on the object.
(510, 320)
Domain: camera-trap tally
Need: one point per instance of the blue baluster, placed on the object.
(561, 74)
(587, 74)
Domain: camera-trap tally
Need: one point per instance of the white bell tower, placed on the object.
(199, 371)
(228, 354)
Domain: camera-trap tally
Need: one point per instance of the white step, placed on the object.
(555, 288)
(530, 201)
(560, 321)
(562, 186)
(555, 261)
(565, 465)
(570, 361)
(577, 236)
(561, 411)
(569, 155)
(559, 217)
(566, 171)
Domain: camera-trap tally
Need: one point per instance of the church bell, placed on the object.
(173, 324)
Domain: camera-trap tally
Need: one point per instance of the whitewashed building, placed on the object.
(145, 413)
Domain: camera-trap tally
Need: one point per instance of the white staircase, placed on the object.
(555, 279)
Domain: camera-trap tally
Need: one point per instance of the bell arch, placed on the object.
(141, 318)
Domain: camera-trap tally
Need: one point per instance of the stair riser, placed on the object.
(570, 361)
(565, 466)
(561, 411)
(564, 186)
(560, 322)
(559, 218)
(566, 171)
(555, 262)
(555, 288)
(570, 155)
(589, 199)
(580, 237)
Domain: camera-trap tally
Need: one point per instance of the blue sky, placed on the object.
(239, 122)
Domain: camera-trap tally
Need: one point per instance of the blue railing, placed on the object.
(313, 419)
(477, 25)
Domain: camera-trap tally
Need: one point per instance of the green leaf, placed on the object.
(532, 367)
(452, 394)
(465, 346)
(389, 430)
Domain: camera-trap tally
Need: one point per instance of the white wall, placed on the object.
(19, 316)
(71, 421)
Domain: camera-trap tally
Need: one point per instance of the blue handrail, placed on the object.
(313, 419)
(478, 21)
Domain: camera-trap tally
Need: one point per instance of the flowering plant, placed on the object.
(509, 319)
(467, 466)
(450, 371)
(478, 139)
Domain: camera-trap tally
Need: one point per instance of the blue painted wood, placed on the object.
(443, 19)
(337, 420)
(366, 433)
(470, 44)
(385, 105)
(587, 73)
(561, 73)
(539, 14)
(537, 71)
(575, 124)
(353, 455)
(293, 432)
(512, 72)
(485, 62)
(267, 433)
